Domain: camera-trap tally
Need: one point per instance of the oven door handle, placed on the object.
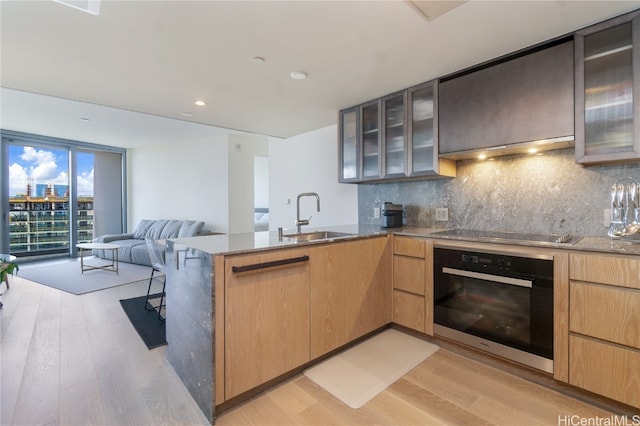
(488, 277)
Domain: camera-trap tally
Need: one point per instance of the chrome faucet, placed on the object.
(300, 222)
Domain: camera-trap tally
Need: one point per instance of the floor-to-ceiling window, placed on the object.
(84, 178)
(49, 194)
(38, 200)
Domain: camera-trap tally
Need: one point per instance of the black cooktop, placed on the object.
(500, 236)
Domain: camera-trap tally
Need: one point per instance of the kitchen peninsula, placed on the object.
(217, 294)
(241, 307)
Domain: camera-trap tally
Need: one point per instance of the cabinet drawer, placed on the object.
(409, 274)
(605, 269)
(605, 369)
(606, 312)
(408, 246)
(409, 310)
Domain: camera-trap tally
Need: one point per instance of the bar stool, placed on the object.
(156, 254)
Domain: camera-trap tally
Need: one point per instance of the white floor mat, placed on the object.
(363, 371)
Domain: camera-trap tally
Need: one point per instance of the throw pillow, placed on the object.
(155, 230)
(171, 229)
(142, 228)
(190, 228)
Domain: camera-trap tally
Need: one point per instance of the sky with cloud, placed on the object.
(47, 166)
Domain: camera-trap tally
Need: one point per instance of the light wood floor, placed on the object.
(445, 389)
(76, 360)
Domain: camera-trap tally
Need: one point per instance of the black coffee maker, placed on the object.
(392, 215)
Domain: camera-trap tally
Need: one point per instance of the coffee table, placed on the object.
(113, 266)
(8, 258)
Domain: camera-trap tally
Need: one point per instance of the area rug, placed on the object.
(151, 330)
(360, 373)
(65, 275)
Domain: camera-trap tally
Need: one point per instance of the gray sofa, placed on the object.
(132, 245)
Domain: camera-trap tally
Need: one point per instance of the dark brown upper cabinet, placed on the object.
(510, 105)
(360, 150)
(394, 109)
(348, 152)
(392, 138)
(607, 88)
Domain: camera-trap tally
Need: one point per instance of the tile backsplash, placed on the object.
(545, 193)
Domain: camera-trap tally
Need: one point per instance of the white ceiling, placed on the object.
(158, 57)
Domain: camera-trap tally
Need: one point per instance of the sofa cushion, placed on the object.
(142, 228)
(190, 228)
(114, 237)
(155, 230)
(126, 247)
(140, 254)
(132, 246)
(171, 229)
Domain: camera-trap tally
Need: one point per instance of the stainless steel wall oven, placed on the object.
(499, 303)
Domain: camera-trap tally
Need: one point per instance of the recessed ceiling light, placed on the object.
(89, 6)
(186, 114)
(433, 9)
(84, 119)
(200, 103)
(258, 60)
(298, 75)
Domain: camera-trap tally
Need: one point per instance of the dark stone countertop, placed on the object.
(268, 240)
(226, 244)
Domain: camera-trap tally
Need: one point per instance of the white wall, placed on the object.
(242, 150)
(209, 180)
(260, 181)
(309, 163)
(187, 180)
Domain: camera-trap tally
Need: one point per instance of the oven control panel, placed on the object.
(493, 262)
(502, 262)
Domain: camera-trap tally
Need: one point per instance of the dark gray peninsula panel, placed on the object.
(190, 322)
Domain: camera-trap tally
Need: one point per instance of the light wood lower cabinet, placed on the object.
(350, 291)
(266, 317)
(606, 312)
(413, 283)
(409, 310)
(609, 370)
(604, 325)
(409, 274)
(278, 317)
(622, 271)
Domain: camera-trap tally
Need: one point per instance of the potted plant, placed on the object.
(7, 268)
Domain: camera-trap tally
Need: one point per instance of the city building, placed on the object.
(41, 224)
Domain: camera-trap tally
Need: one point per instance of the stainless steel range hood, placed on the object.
(530, 147)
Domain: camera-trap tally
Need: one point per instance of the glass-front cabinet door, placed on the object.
(392, 138)
(371, 141)
(607, 77)
(422, 130)
(348, 138)
(395, 131)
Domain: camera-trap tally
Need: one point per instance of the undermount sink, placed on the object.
(318, 235)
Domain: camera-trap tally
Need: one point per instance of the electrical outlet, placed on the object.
(442, 214)
(607, 218)
(376, 212)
